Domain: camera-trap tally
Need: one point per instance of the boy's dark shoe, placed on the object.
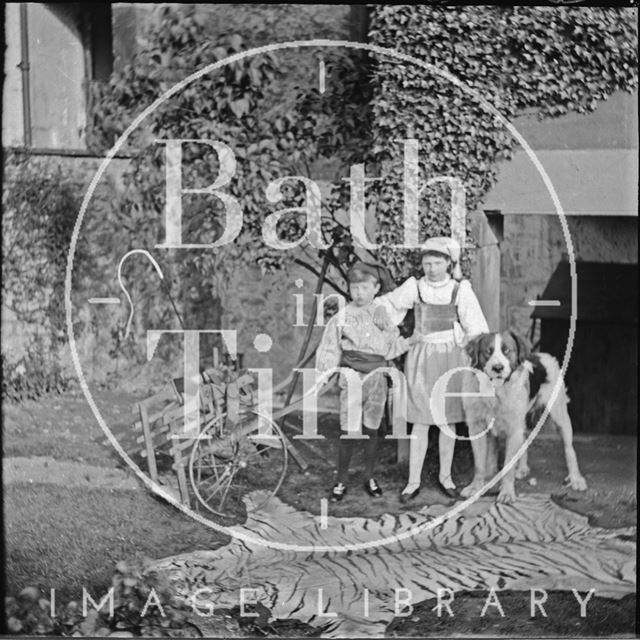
(338, 491)
(372, 488)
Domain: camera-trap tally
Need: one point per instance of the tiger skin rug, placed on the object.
(532, 544)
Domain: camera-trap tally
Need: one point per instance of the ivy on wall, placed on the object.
(521, 59)
(547, 60)
(272, 136)
(40, 204)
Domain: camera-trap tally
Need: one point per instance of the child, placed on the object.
(447, 314)
(351, 339)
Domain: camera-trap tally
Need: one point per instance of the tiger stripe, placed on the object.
(533, 543)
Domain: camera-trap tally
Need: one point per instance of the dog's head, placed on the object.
(498, 354)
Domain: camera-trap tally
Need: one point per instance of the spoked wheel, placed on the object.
(229, 461)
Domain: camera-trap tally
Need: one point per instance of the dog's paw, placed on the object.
(471, 489)
(507, 495)
(522, 472)
(577, 483)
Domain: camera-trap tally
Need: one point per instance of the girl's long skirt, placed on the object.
(426, 362)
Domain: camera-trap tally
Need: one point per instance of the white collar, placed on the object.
(437, 285)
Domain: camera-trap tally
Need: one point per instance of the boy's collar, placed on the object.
(368, 306)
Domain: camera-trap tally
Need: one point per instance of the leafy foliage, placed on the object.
(28, 613)
(549, 60)
(40, 205)
(521, 59)
(230, 105)
(142, 606)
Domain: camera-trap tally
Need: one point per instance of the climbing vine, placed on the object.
(40, 204)
(521, 59)
(223, 106)
(271, 136)
(547, 60)
(543, 60)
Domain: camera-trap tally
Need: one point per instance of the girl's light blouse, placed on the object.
(472, 320)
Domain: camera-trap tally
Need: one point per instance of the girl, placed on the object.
(447, 315)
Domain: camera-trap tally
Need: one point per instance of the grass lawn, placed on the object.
(64, 427)
(67, 538)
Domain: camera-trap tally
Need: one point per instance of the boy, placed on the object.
(352, 339)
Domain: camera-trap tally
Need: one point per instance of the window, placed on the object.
(52, 52)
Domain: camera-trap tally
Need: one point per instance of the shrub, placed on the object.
(40, 205)
(142, 606)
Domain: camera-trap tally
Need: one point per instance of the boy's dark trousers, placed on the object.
(345, 449)
(364, 363)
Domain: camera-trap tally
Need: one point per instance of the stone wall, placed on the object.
(534, 245)
(258, 303)
(18, 333)
(255, 302)
(268, 304)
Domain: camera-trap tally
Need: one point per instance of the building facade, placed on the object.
(592, 163)
(55, 51)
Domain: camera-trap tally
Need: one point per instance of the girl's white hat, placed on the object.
(447, 246)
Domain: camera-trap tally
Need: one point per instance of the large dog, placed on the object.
(517, 386)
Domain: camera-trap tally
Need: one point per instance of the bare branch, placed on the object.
(316, 273)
